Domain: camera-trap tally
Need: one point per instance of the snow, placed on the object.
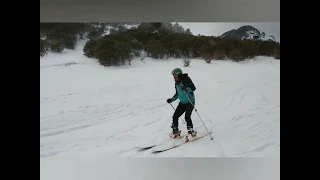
(262, 36)
(89, 110)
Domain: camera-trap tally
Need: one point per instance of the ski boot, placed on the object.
(175, 132)
(192, 132)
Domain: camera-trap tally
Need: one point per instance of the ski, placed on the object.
(172, 145)
(143, 148)
(152, 145)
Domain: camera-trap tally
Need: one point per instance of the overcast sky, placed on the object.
(216, 29)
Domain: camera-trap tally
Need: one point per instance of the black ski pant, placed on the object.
(183, 108)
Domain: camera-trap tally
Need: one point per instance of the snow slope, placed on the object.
(90, 110)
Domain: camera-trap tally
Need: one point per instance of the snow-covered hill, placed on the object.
(90, 110)
(248, 32)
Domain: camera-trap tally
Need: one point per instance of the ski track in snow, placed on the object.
(90, 110)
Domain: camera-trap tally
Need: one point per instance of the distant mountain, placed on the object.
(248, 32)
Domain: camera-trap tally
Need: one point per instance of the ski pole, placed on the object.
(179, 117)
(199, 115)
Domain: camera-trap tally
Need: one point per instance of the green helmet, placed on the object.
(177, 71)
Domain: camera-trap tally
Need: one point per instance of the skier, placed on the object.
(185, 92)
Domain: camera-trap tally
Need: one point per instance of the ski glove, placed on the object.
(169, 100)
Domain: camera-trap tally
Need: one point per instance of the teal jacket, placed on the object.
(184, 81)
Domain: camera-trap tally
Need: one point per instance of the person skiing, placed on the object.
(184, 88)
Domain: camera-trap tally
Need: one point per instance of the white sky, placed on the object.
(216, 29)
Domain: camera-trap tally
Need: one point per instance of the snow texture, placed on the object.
(89, 110)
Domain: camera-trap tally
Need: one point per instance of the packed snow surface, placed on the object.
(90, 110)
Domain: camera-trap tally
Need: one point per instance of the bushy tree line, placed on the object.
(158, 40)
(59, 36)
